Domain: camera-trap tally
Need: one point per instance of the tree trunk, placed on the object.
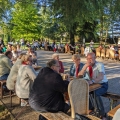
(113, 35)
(72, 42)
(101, 29)
(106, 37)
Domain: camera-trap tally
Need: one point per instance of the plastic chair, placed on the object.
(78, 91)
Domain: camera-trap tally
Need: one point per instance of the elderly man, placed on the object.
(98, 76)
(47, 90)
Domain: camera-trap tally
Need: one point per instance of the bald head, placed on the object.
(91, 58)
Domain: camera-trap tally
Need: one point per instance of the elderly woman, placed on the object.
(13, 73)
(32, 53)
(25, 78)
(76, 66)
(56, 57)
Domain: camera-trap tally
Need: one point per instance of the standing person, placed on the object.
(47, 90)
(76, 66)
(55, 56)
(19, 49)
(22, 43)
(98, 76)
(91, 44)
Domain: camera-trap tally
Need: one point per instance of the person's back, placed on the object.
(5, 65)
(13, 75)
(25, 78)
(47, 91)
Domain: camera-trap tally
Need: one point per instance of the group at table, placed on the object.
(45, 89)
(48, 88)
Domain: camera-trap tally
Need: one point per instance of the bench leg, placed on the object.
(10, 98)
(111, 104)
(42, 118)
(1, 90)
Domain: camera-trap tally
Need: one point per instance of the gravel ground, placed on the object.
(112, 71)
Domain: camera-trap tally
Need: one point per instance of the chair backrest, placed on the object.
(82, 50)
(119, 51)
(117, 115)
(107, 53)
(97, 52)
(112, 54)
(78, 91)
(103, 52)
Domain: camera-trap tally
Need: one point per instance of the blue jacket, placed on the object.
(72, 69)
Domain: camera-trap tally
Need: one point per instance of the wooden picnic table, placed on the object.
(113, 111)
(37, 67)
(94, 87)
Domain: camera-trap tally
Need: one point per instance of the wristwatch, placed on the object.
(93, 81)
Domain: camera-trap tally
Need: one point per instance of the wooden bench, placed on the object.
(56, 116)
(113, 111)
(113, 98)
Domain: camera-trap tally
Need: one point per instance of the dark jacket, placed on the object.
(47, 91)
(72, 69)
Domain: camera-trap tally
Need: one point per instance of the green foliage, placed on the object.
(4, 114)
(58, 19)
(26, 22)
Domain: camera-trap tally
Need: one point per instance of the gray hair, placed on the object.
(51, 63)
(54, 55)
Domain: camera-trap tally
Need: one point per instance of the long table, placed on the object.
(94, 87)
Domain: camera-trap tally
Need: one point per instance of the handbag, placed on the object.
(81, 117)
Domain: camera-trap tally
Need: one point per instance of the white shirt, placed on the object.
(99, 67)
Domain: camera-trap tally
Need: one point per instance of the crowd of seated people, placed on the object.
(45, 90)
(17, 68)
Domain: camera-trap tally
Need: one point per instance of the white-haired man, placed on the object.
(98, 76)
